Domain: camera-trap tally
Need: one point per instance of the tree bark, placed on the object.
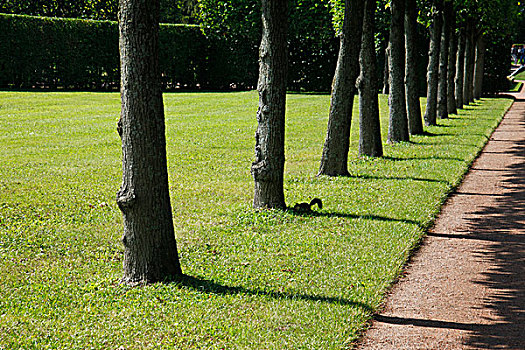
(415, 122)
(451, 70)
(369, 129)
(268, 167)
(150, 250)
(334, 160)
(460, 68)
(469, 65)
(398, 123)
(386, 66)
(443, 63)
(433, 63)
(480, 67)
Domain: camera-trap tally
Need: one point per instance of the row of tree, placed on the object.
(454, 78)
(150, 248)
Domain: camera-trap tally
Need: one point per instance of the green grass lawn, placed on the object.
(261, 280)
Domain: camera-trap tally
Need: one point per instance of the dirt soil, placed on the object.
(465, 287)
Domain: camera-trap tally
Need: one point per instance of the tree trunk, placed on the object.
(369, 129)
(433, 63)
(480, 67)
(415, 122)
(150, 250)
(451, 70)
(334, 161)
(398, 123)
(469, 64)
(443, 63)
(460, 68)
(268, 168)
(386, 66)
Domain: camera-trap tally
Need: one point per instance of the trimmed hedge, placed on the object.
(76, 54)
(84, 54)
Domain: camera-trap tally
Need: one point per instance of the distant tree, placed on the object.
(386, 69)
(334, 160)
(415, 123)
(480, 66)
(398, 123)
(150, 250)
(460, 67)
(451, 66)
(433, 63)
(382, 23)
(369, 129)
(268, 167)
(470, 51)
(442, 105)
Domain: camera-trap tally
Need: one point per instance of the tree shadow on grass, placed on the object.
(432, 134)
(452, 143)
(396, 159)
(313, 213)
(400, 178)
(210, 286)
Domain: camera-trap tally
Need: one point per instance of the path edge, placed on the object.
(416, 248)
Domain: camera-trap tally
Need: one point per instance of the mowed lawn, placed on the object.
(260, 280)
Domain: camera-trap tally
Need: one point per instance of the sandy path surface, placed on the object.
(465, 288)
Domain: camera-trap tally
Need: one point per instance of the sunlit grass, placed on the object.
(267, 279)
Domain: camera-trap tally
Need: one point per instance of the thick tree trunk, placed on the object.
(469, 65)
(451, 71)
(460, 68)
(443, 63)
(268, 168)
(415, 122)
(369, 129)
(150, 250)
(334, 161)
(398, 123)
(480, 67)
(433, 63)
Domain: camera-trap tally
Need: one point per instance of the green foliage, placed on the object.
(337, 9)
(87, 9)
(171, 11)
(312, 44)
(52, 52)
(497, 22)
(83, 54)
(261, 279)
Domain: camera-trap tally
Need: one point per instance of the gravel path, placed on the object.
(465, 288)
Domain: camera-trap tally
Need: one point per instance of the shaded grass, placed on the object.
(520, 76)
(266, 279)
(515, 86)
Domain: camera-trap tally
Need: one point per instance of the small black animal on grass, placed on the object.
(306, 207)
